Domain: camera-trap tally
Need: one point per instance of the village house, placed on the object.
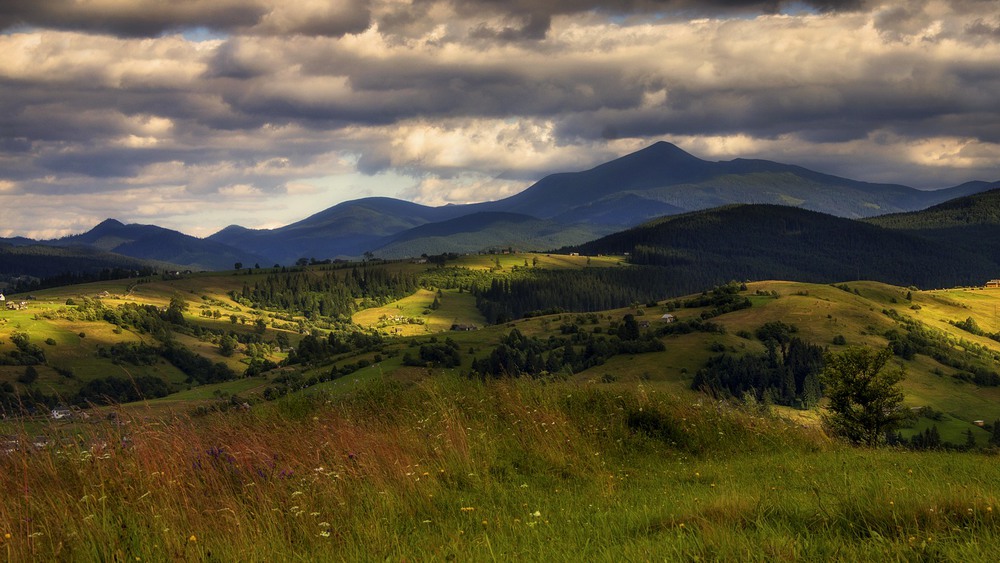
(993, 283)
(668, 318)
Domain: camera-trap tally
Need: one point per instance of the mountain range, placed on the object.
(559, 210)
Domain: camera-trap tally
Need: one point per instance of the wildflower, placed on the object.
(324, 524)
(193, 538)
(537, 514)
(468, 508)
(325, 533)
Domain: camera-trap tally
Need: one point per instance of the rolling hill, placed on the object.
(971, 224)
(780, 242)
(42, 261)
(621, 460)
(150, 242)
(348, 229)
(486, 230)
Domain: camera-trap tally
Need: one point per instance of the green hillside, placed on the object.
(484, 231)
(567, 435)
(951, 370)
(781, 242)
(72, 264)
(970, 223)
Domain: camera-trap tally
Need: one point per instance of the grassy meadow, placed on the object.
(621, 461)
(449, 469)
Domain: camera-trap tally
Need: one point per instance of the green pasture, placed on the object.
(444, 468)
(551, 261)
(394, 318)
(819, 312)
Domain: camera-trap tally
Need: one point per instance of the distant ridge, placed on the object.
(567, 208)
(150, 242)
(345, 230)
(661, 179)
(971, 223)
(485, 230)
(758, 242)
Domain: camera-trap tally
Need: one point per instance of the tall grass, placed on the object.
(448, 468)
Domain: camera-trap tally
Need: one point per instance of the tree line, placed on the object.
(328, 293)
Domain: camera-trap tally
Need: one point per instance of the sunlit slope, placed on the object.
(821, 313)
(855, 313)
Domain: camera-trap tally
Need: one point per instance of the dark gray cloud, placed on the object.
(531, 19)
(149, 18)
(130, 19)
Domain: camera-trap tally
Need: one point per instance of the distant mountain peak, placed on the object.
(108, 224)
(659, 153)
(664, 147)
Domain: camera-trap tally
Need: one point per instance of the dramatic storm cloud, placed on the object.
(195, 114)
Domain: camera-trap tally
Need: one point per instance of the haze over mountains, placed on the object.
(560, 210)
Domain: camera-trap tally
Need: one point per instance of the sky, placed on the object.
(198, 114)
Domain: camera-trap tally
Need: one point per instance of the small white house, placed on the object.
(668, 318)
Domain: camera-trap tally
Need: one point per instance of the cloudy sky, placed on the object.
(197, 114)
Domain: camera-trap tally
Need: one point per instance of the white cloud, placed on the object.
(467, 188)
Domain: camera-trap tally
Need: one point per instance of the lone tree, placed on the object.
(865, 400)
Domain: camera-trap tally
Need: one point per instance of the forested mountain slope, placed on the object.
(777, 242)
